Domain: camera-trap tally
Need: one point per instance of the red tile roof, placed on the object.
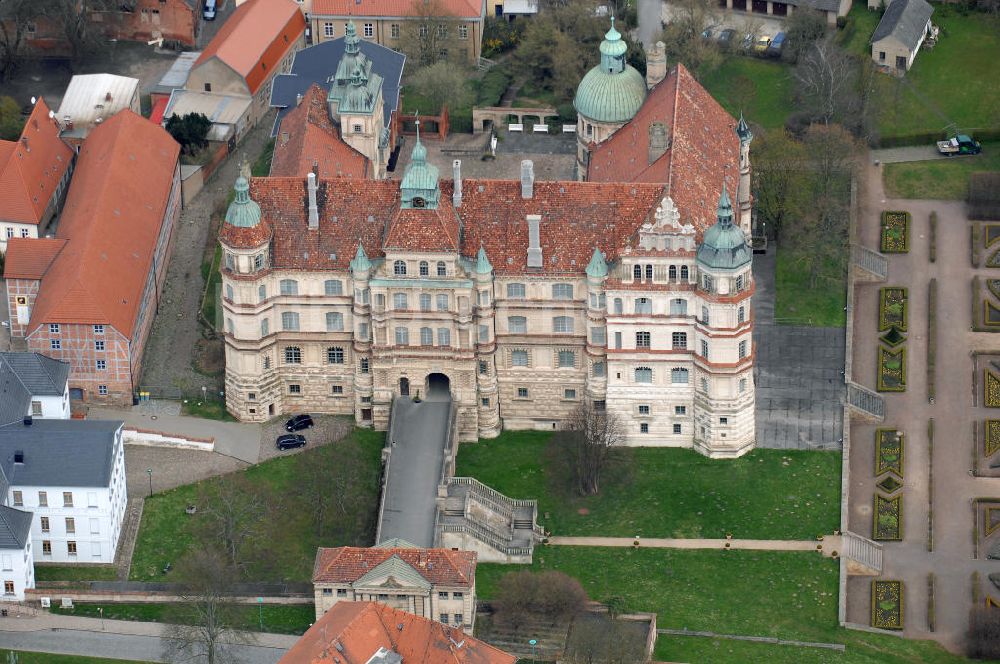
(575, 218)
(703, 150)
(31, 168)
(111, 221)
(354, 632)
(386, 8)
(255, 38)
(347, 564)
(311, 139)
(30, 258)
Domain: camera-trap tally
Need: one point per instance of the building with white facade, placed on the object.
(17, 568)
(33, 385)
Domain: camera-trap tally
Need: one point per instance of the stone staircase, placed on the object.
(872, 262)
(863, 555)
(866, 402)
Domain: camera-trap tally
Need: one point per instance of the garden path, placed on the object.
(950, 556)
(829, 544)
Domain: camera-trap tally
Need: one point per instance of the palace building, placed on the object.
(518, 298)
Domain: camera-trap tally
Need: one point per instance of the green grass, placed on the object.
(856, 36)
(796, 303)
(262, 166)
(212, 410)
(45, 573)
(167, 532)
(942, 178)
(955, 81)
(664, 492)
(211, 304)
(768, 99)
(780, 594)
(276, 618)
(48, 658)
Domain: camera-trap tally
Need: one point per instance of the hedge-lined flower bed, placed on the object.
(991, 445)
(991, 388)
(888, 451)
(888, 518)
(887, 604)
(892, 309)
(892, 370)
(895, 235)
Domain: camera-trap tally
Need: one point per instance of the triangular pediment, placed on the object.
(393, 572)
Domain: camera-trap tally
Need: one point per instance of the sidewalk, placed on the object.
(829, 544)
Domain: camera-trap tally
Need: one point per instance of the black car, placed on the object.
(299, 422)
(726, 37)
(290, 441)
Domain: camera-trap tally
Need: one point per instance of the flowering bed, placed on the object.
(888, 451)
(888, 518)
(887, 604)
(991, 387)
(992, 442)
(892, 371)
(895, 235)
(892, 309)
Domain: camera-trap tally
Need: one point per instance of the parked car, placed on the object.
(746, 45)
(290, 441)
(726, 37)
(299, 422)
(709, 32)
(761, 45)
(959, 144)
(776, 46)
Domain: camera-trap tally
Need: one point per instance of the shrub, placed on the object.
(895, 232)
(841, 22)
(887, 604)
(888, 518)
(552, 596)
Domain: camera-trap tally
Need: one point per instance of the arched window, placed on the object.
(562, 324)
(261, 293)
(643, 375)
(678, 307)
(637, 272)
(425, 302)
(334, 321)
(399, 268)
(643, 305)
(618, 306)
(399, 301)
(684, 272)
(679, 376)
(293, 355)
(597, 370)
(333, 287)
(515, 291)
(672, 272)
(424, 269)
(290, 321)
(649, 272)
(442, 269)
(335, 355)
(704, 316)
(402, 336)
(289, 287)
(426, 336)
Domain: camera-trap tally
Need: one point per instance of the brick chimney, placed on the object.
(456, 196)
(527, 178)
(534, 239)
(313, 207)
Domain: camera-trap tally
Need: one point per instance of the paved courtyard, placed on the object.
(798, 374)
(949, 554)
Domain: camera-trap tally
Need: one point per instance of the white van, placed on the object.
(209, 13)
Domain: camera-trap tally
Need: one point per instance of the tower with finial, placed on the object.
(743, 199)
(419, 188)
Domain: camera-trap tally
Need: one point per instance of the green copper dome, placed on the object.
(419, 188)
(243, 212)
(724, 246)
(483, 265)
(613, 91)
(598, 267)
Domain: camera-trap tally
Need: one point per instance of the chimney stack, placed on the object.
(534, 237)
(298, 99)
(527, 178)
(456, 196)
(24, 141)
(313, 207)
(658, 141)
(656, 64)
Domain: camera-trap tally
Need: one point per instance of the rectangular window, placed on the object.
(566, 359)
(680, 410)
(643, 375)
(443, 616)
(328, 29)
(71, 548)
(328, 591)
(70, 524)
(24, 232)
(369, 30)
(98, 329)
(289, 287)
(569, 394)
(363, 365)
(43, 499)
(442, 31)
(7, 562)
(486, 402)
(444, 337)
(642, 340)
(95, 526)
(402, 336)
(425, 302)
(677, 428)
(723, 420)
(18, 499)
(618, 340)
(47, 547)
(704, 349)
(522, 393)
(53, 328)
(458, 618)
(518, 358)
(442, 302)
(8, 587)
(67, 499)
(251, 396)
(643, 305)
(597, 370)
(394, 30)
(515, 291)
(36, 408)
(562, 291)
(334, 321)
(294, 389)
(562, 324)
(95, 549)
(55, 344)
(484, 333)
(341, 592)
(333, 287)
(743, 349)
(102, 365)
(598, 336)
(743, 385)
(484, 367)
(335, 355)
(463, 32)
(356, 128)
(679, 340)
(442, 595)
(644, 410)
(517, 325)
(337, 389)
(102, 390)
(265, 327)
(99, 345)
(644, 427)
(290, 321)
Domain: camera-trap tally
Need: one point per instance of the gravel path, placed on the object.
(167, 367)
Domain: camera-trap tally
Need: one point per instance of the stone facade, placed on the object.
(463, 36)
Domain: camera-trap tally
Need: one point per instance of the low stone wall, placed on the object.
(149, 438)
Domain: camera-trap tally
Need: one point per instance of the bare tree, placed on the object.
(15, 18)
(590, 443)
(526, 596)
(826, 79)
(207, 611)
(428, 34)
(338, 491)
(683, 36)
(234, 511)
(803, 29)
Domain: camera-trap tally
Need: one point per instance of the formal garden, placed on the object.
(892, 326)
(887, 604)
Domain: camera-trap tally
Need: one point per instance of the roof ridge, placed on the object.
(10, 366)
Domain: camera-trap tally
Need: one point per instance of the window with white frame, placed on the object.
(423, 30)
(704, 316)
(442, 269)
(295, 388)
(293, 355)
(679, 340)
(569, 393)
(518, 358)
(644, 427)
(522, 393)
(678, 307)
(680, 410)
(399, 301)
(394, 30)
(334, 355)
(425, 302)
(441, 302)
(426, 336)
(515, 291)
(644, 409)
(562, 291)
(24, 232)
(328, 29)
(55, 344)
(265, 327)
(677, 429)
(424, 269)
(402, 336)
(98, 329)
(565, 359)
(704, 349)
(399, 268)
(742, 349)
(334, 321)
(444, 337)
(643, 375)
(53, 328)
(679, 376)
(739, 282)
(619, 307)
(517, 324)
(369, 30)
(290, 321)
(642, 339)
(261, 293)
(99, 345)
(289, 287)
(707, 282)
(102, 365)
(741, 316)
(562, 324)
(442, 31)
(643, 305)
(102, 390)
(258, 262)
(333, 287)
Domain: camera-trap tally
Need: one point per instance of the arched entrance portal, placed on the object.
(404, 387)
(438, 386)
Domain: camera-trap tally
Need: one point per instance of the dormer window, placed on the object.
(419, 202)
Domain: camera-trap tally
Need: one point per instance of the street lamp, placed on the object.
(149, 471)
(100, 610)
(533, 643)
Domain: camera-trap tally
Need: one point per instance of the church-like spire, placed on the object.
(598, 267)
(420, 182)
(613, 50)
(350, 38)
(483, 265)
(724, 213)
(743, 130)
(360, 263)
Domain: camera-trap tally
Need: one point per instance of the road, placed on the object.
(117, 646)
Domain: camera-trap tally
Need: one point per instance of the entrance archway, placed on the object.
(438, 386)
(404, 387)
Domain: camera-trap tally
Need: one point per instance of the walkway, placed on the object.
(419, 435)
(828, 545)
(911, 153)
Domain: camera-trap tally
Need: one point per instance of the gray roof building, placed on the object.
(69, 453)
(906, 21)
(15, 528)
(26, 375)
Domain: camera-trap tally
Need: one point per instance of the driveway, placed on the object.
(912, 153)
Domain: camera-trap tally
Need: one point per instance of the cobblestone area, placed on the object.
(167, 366)
(328, 429)
(172, 468)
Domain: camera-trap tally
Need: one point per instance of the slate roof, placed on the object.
(111, 220)
(15, 527)
(30, 258)
(318, 63)
(24, 375)
(348, 564)
(387, 8)
(355, 631)
(905, 20)
(311, 139)
(70, 453)
(576, 217)
(31, 168)
(703, 148)
(821, 5)
(253, 40)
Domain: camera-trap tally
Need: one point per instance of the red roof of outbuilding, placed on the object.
(31, 168)
(347, 564)
(308, 136)
(111, 223)
(254, 39)
(355, 631)
(30, 258)
(456, 8)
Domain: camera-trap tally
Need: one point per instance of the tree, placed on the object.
(11, 122)
(827, 83)
(190, 130)
(597, 638)
(590, 444)
(207, 610)
(526, 596)
(233, 512)
(683, 36)
(777, 172)
(15, 17)
(803, 28)
(441, 84)
(984, 633)
(425, 38)
(338, 491)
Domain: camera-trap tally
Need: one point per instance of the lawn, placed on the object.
(796, 303)
(857, 34)
(262, 166)
(48, 658)
(45, 573)
(943, 178)
(211, 302)
(781, 594)
(167, 532)
(275, 618)
(762, 89)
(665, 492)
(212, 410)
